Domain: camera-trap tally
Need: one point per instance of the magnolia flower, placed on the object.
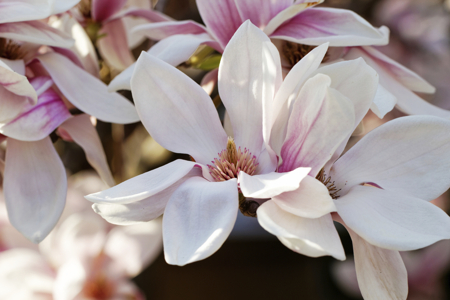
(32, 108)
(298, 22)
(83, 258)
(106, 23)
(199, 198)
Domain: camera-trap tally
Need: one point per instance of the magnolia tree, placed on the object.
(296, 80)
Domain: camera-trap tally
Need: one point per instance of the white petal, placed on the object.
(406, 155)
(144, 185)
(310, 200)
(35, 187)
(176, 111)
(70, 280)
(87, 92)
(383, 102)
(311, 237)
(198, 219)
(248, 75)
(381, 273)
(271, 184)
(36, 32)
(133, 248)
(84, 134)
(392, 220)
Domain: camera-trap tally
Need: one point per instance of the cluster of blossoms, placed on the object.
(296, 81)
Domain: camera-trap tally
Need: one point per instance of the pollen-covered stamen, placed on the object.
(295, 52)
(231, 161)
(11, 50)
(326, 180)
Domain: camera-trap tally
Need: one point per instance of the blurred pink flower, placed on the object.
(83, 257)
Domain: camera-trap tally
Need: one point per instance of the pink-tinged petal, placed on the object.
(36, 32)
(359, 83)
(311, 237)
(320, 121)
(34, 207)
(221, 17)
(161, 30)
(84, 134)
(133, 248)
(311, 200)
(113, 46)
(381, 273)
(145, 185)
(41, 84)
(248, 75)
(339, 27)
(24, 10)
(141, 210)
(392, 220)
(17, 65)
(70, 280)
(288, 92)
(271, 184)
(176, 111)
(87, 92)
(402, 74)
(148, 14)
(209, 81)
(174, 50)
(25, 274)
(16, 83)
(406, 155)
(288, 13)
(83, 49)
(260, 12)
(198, 219)
(407, 101)
(103, 9)
(36, 122)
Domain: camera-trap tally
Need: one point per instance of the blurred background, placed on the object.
(252, 264)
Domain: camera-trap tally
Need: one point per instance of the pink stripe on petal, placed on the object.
(103, 9)
(260, 12)
(161, 30)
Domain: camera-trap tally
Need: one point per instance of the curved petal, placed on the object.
(37, 121)
(311, 237)
(70, 280)
(271, 184)
(142, 210)
(174, 50)
(392, 220)
(16, 83)
(176, 111)
(311, 200)
(87, 92)
(221, 17)
(113, 46)
(35, 187)
(383, 102)
(339, 27)
(248, 75)
(320, 121)
(144, 185)
(36, 32)
(260, 12)
(381, 273)
(103, 9)
(24, 10)
(145, 13)
(161, 30)
(406, 155)
(402, 74)
(84, 134)
(198, 219)
(60, 6)
(289, 13)
(133, 248)
(209, 81)
(407, 101)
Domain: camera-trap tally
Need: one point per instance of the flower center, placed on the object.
(231, 161)
(326, 180)
(10, 49)
(295, 52)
